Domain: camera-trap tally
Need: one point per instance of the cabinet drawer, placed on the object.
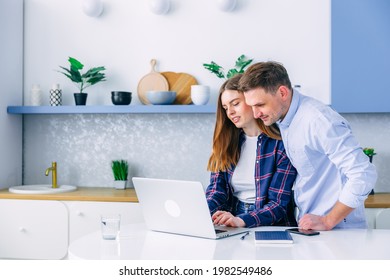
(33, 229)
(84, 217)
(383, 219)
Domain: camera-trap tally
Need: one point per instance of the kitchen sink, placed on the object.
(41, 189)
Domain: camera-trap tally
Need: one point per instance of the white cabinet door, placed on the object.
(33, 229)
(378, 218)
(383, 219)
(84, 216)
(371, 216)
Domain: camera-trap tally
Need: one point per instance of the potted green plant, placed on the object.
(82, 81)
(120, 170)
(241, 63)
(370, 152)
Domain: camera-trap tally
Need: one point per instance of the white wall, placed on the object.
(128, 35)
(11, 71)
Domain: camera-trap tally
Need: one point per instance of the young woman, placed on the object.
(251, 175)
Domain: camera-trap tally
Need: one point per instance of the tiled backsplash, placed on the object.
(175, 146)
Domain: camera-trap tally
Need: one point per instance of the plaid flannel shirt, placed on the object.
(274, 179)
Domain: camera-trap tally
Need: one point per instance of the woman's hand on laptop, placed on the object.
(227, 219)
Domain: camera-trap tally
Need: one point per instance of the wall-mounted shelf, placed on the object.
(112, 109)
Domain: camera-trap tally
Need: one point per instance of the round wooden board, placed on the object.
(181, 83)
(152, 81)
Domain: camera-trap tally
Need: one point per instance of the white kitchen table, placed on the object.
(137, 242)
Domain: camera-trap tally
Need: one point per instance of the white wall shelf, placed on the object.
(112, 109)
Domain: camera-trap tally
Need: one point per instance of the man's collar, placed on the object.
(296, 96)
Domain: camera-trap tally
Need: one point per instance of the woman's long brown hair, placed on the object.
(226, 150)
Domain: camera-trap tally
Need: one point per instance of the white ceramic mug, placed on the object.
(200, 94)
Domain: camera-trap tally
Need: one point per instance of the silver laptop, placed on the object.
(178, 207)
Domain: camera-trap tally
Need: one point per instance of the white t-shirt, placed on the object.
(243, 179)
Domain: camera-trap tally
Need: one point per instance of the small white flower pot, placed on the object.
(120, 185)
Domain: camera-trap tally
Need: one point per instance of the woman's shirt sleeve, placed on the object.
(218, 193)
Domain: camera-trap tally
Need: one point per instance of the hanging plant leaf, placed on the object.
(241, 63)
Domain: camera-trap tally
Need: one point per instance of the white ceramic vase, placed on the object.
(36, 96)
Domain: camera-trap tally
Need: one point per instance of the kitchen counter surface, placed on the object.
(137, 242)
(378, 200)
(81, 194)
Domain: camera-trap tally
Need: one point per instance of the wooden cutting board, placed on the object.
(181, 83)
(152, 81)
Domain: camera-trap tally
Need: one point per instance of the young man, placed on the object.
(334, 175)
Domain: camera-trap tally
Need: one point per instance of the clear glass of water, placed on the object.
(110, 225)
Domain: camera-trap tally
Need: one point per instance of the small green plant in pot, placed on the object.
(370, 152)
(120, 170)
(82, 81)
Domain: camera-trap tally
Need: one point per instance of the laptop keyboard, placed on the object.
(219, 231)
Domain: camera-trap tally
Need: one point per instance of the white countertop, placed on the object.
(136, 242)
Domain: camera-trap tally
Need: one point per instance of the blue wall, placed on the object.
(360, 56)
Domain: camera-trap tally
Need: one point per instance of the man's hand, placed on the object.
(310, 221)
(339, 212)
(227, 219)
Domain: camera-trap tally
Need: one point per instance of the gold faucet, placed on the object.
(53, 170)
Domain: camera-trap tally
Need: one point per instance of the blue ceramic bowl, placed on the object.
(161, 97)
